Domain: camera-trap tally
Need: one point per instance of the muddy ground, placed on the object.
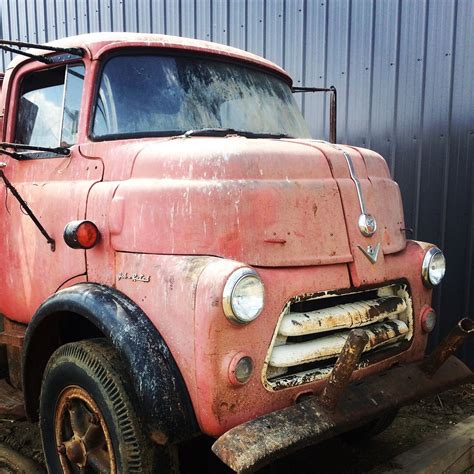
(428, 418)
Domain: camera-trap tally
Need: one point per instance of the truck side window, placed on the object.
(48, 112)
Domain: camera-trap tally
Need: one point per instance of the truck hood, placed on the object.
(261, 201)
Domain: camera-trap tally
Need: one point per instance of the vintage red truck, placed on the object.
(179, 257)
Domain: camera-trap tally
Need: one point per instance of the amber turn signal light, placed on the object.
(81, 234)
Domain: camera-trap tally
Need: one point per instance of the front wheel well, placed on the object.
(88, 310)
(58, 329)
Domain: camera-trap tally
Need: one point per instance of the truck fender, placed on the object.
(161, 393)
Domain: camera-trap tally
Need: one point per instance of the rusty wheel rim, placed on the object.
(82, 437)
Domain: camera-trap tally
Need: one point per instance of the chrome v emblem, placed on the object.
(371, 253)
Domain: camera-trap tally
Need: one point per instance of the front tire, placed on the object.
(88, 421)
(370, 429)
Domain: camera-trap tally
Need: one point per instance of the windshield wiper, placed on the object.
(223, 132)
(59, 150)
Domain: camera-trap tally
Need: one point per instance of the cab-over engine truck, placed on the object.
(179, 256)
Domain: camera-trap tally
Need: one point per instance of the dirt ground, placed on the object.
(428, 418)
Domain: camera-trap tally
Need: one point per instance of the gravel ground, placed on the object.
(415, 423)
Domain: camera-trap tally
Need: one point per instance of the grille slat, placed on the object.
(326, 347)
(341, 316)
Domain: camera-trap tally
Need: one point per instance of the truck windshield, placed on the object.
(158, 95)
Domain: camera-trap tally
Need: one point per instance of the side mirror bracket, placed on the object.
(332, 106)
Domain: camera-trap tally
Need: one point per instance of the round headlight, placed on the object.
(433, 267)
(243, 296)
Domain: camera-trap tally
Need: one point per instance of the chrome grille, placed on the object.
(312, 331)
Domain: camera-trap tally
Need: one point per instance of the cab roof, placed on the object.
(98, 44)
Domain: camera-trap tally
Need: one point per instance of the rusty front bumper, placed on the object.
(255, 443)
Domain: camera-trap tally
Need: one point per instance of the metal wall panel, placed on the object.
(404, 71)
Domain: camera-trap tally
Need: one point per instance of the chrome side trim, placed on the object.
(367, 223)
(354, 178)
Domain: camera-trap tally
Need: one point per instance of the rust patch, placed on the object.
(299, 378)
(449, 345)
(12, 334)
(90, 444)
(159, 438)
(343, 368)
(275, 241)
(14, 366)
(386, 304)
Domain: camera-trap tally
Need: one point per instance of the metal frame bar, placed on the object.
(23, 44)
(448, 346)
(332, 107)
(25, 206)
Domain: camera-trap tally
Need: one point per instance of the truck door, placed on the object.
(45, 109)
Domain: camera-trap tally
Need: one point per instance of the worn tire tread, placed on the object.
(101, 362)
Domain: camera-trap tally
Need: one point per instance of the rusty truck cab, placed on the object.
(182, 257)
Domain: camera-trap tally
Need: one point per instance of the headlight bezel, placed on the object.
(234, 279)
(425, 267)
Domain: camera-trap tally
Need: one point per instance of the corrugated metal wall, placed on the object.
(404, 70)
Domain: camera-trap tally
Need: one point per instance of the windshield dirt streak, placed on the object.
(194, 95)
